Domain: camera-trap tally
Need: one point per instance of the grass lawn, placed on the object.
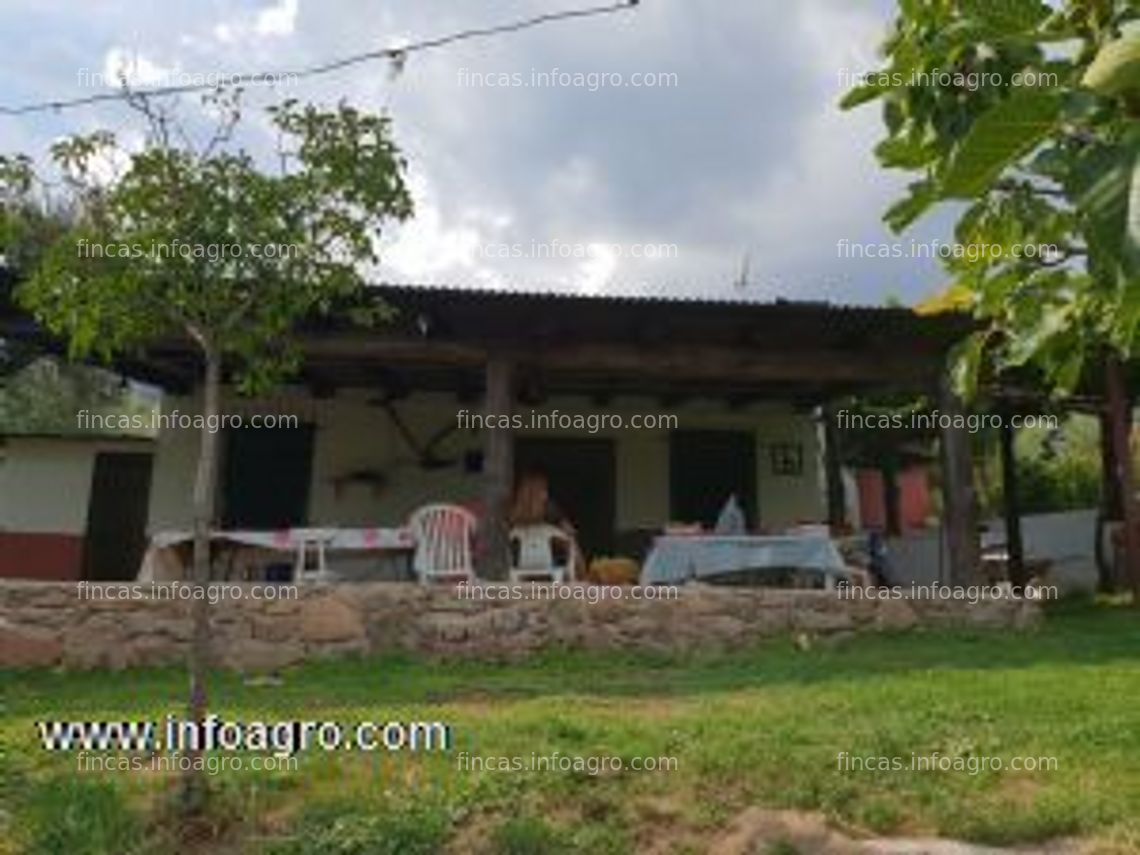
(761, 726)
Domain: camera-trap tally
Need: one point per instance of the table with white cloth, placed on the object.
(678, 558)
(162, 562)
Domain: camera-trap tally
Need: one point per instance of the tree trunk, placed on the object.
(892, 498)
(1013, 541)
(194, 782)
(1112, 508)
(833, 463)
(1119, 406)
(960, 510)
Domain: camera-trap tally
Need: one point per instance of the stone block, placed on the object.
(27, 647)
(329, 618)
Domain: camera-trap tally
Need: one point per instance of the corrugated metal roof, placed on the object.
(625, 294)
(947, 324)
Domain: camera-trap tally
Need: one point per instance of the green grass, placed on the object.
(755, 727)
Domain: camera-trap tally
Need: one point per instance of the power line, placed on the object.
(397, 55)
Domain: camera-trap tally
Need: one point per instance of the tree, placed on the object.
(1024, 115)
(45, 396)
(25, 229)
(40, 393)
(206, 245)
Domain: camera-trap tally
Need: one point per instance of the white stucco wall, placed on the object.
(787, 500)
(352, 435)
(1065, 538)
(45, 483)
(642, 475)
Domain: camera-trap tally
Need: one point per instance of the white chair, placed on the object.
(443, 535)
(534, 545)
(310, 564)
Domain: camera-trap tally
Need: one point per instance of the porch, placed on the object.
(731, 396)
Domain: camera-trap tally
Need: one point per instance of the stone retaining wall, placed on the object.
(47, 624)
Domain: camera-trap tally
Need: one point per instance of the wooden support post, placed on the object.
(892, 500)
(959, 506)
(833, 468)
(1013, 541)
(1119, 408)
(498, 471)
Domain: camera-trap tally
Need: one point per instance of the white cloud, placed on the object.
(597, 271)
(829, 186)
(279, 20)
(749, 154)
(120, 63)
(244, 29)
(226, 33)
(426, 246)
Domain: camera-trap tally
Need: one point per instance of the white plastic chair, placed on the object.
(535, 550)
(443, 535)
(310, 564)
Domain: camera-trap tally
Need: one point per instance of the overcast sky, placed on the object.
(738, 153)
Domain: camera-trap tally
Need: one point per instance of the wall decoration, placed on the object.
(787, 458)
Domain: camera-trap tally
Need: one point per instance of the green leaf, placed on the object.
(1106, 185)
(1052, 321)
(1116, 69)
(923, 195)
(903, 153)
(1006, 17)
(861, 95)
(1069, 368)
(966, 361)
(1130, 251)
(997, 140)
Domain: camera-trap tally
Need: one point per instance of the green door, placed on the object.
(265, 480)
(705, 468)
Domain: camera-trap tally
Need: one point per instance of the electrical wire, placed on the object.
(397, 55)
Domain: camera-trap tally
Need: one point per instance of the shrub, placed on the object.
(1064, 483)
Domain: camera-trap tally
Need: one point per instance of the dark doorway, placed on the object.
(116, 516)
(705, 468)
(265, 481)
(583, 484)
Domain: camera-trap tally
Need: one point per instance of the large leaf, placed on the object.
(998, 139)
(1116, 69)
(967, 359)
(1127, 318)
(1106, 185)
(1051, 321)
(1130, 251)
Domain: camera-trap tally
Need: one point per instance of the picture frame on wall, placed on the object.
(787, 458)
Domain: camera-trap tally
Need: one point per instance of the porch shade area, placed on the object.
(503, 352)
(442, 339)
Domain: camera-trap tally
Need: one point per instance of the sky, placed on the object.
(685, 148)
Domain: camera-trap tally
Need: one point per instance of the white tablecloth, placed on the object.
(288, 539)
(675, 558)
(161, 564)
